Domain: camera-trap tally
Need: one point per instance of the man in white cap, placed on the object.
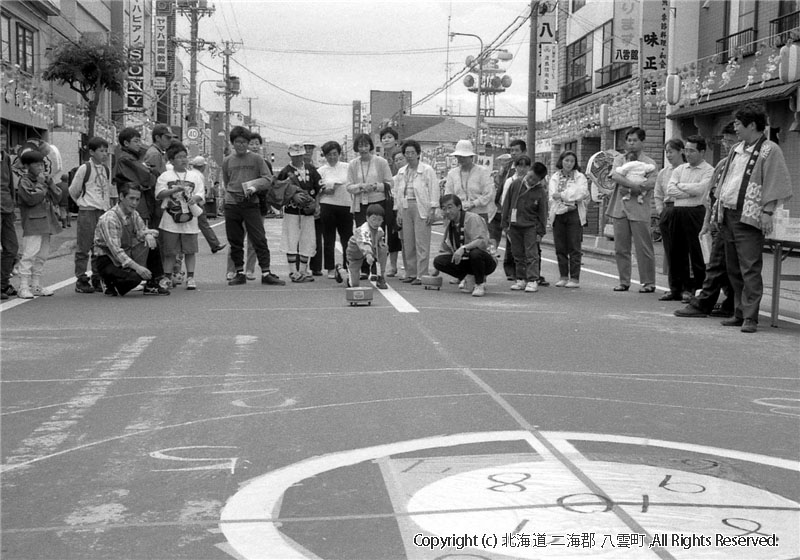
(199, 163)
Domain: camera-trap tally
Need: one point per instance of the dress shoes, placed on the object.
(734, 322)
(689, 311)
(749, 326)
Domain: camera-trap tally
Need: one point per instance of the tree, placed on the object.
(89, 67)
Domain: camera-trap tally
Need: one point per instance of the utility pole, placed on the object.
(250, 111)
(195, 9)
(232, 86)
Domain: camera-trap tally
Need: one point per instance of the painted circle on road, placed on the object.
(543, 496)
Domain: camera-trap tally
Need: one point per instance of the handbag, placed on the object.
(179, 211)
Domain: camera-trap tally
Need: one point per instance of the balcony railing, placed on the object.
(780, 28)
(576, 89)
(743, 42)
(613, 73)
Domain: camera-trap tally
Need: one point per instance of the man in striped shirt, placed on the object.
(122, 244)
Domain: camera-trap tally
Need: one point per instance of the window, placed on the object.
(571, 147)
(741, 21)
(577, 5)
(25, 48)
(579, 58)
(5, 38)
(579, 64)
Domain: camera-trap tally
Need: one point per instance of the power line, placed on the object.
(289, 92)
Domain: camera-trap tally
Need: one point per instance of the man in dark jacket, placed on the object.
(8, 234)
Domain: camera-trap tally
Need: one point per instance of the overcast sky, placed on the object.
(335, 52)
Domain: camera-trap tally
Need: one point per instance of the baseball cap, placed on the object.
(198, 161)
(297, 149)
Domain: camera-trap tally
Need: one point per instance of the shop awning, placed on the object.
(734, 98)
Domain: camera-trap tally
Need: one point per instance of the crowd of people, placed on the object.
(138, 224)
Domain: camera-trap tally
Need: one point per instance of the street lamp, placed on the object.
(479, 60)
(200, 93)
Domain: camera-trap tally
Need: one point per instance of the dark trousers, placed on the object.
(496, 233)
(207, 231)
(87, 222)
(125, 279)
(480, 264)
(335, 219)
(716, 279)
(665, 226)
(525, 247)
(238, 218)
(687, 269)
(315, 262)
(567, 237)
(744, 260)
(10, 243)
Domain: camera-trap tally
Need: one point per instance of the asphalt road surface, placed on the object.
(279, 422)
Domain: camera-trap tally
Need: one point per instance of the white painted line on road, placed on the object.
(399, 302)
(10, 304)
(46, 438)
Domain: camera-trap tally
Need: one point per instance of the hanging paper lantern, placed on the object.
(789, 67)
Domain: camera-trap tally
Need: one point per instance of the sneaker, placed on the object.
(230, 275)
(178, 278)
(97, 284)
(531, 287)
(468, 284)
(238, 279)
(272, 280)
(519, 285)
(155, 290)
(82, 286)
(331, 275)
(573, 284)
(479, 290)
(40, 291)
(381, 283)
(191, 283)
(218, 248)
(561, 283)
(251, 275)
(10, 291)
(25, 293)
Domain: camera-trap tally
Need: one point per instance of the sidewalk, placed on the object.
(63, 244)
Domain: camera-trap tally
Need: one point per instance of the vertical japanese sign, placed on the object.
(627, 30)
(655, 27)
(356, 118)
(136, 38)
(161, 42)
(546, 74)
(175, 103)
(164, 29)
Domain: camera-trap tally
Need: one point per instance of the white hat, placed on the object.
(463, 148)
(198, 161)
(297, 149)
